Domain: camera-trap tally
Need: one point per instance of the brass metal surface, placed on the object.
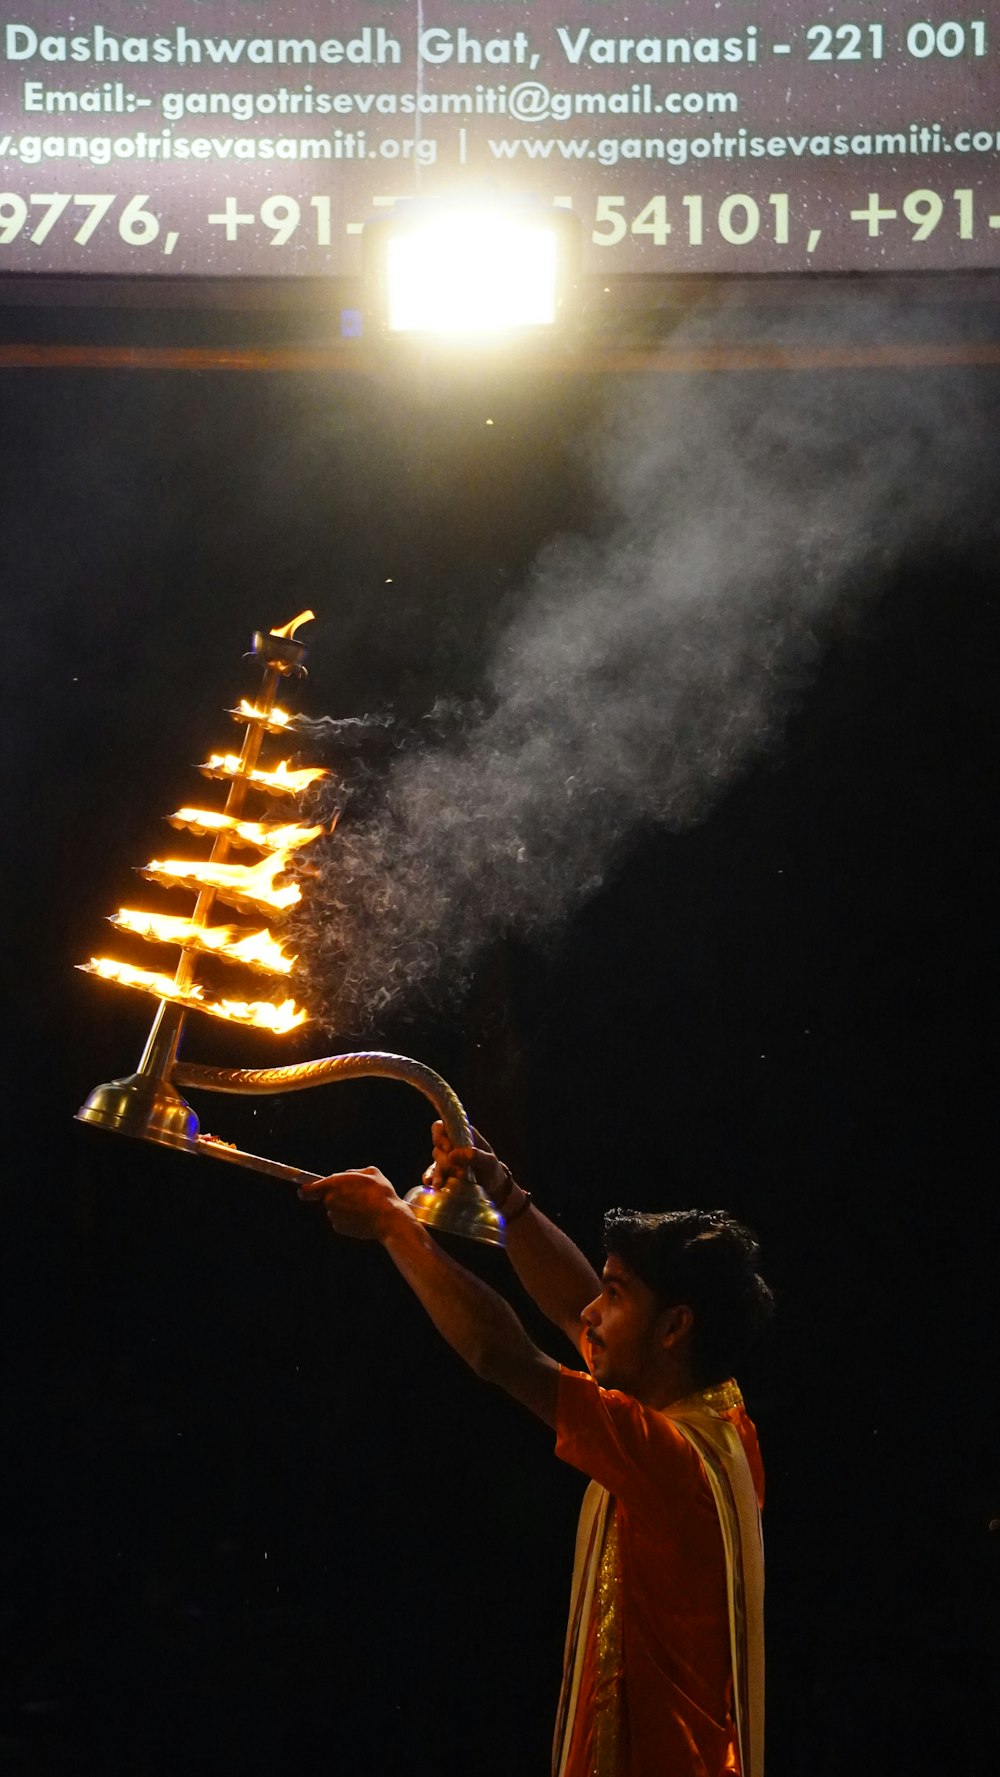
(143, 1105)
(210, 1148)
(459, 1207)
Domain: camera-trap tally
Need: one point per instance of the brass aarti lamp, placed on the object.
(147, 1103)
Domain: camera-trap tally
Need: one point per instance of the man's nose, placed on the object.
(592, 1313)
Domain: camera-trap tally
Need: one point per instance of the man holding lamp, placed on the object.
(663, 1673)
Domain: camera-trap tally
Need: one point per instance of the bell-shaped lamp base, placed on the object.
(461, 1207)
(143, 1105)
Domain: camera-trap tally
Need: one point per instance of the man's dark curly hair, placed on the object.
(707, 1260)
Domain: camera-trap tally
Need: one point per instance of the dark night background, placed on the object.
(259, 1517)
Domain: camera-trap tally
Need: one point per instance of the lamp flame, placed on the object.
(274, 719)
(241, 885)
(267, 886)
(287, 631)
(268, 835)
(258, 949)
(279, 1017)
(279, 782)
(263, 1014)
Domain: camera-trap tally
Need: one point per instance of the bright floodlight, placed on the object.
(471, 270)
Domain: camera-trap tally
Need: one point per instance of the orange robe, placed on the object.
(648, 1690)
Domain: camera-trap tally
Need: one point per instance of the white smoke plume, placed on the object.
(741, 517)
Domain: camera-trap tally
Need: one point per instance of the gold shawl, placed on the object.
(590, 1563)
(717, 1442)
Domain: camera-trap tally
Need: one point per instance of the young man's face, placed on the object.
(623, 1332)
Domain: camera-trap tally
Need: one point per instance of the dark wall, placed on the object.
(261, 1518)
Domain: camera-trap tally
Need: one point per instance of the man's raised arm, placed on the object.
(476, 1322)
(552, 1269)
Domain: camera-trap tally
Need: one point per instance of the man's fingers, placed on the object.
(442, 1142)
(446, 1155)
(312, 1189)
(322, 1187)
(447, 1166)
(449, 1161)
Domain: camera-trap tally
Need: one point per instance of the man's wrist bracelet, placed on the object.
(508, 1186)
(522, 1208)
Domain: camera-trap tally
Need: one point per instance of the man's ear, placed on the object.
(675, 1324)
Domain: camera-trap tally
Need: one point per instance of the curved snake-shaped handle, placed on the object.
(336, 1067)
(461, 1207)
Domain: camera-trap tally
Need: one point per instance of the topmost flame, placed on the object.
(287, 631)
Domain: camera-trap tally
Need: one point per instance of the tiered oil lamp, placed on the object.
(148, 1103)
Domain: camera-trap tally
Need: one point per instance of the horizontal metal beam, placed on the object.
(588, 361)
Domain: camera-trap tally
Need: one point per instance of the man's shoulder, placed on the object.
(631, 1432)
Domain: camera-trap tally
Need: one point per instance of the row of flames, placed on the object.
(265, 887)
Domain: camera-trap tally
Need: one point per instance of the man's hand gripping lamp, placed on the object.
(147, 1103)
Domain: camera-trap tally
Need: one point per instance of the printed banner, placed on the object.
(221, 138)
